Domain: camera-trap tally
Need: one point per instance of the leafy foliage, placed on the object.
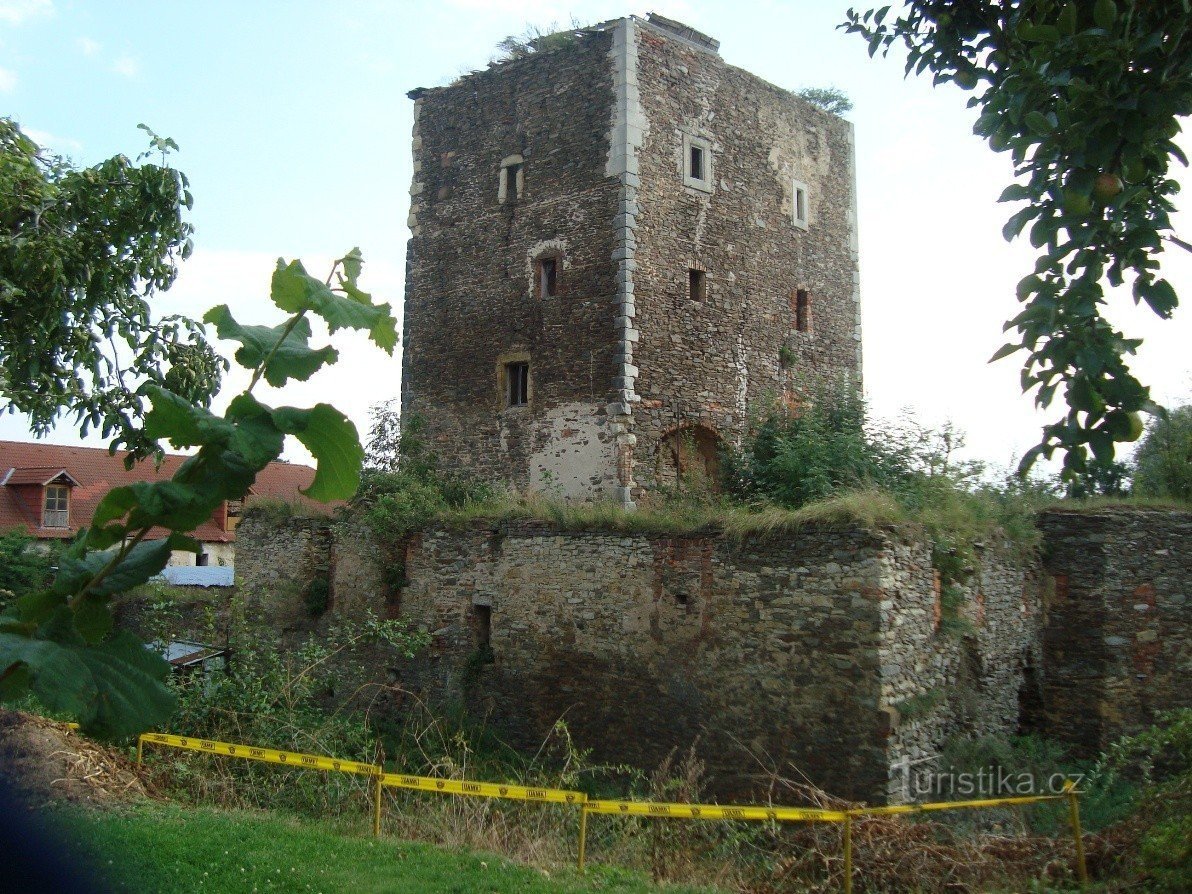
(24, 566)
(1086, 98)
(830, 99)
(831, 447)
(1163, 463)
(82, 250)
(59, 642)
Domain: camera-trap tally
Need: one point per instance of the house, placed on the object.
(52, 491)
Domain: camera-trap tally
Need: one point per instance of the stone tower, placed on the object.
(619, 247)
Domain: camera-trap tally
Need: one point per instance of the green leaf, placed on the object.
(292, 358)
(257, 438)
(115, 689)
(332, 439)
(1015, 192)
(1004, 351)
(1158, 294)
(1038, 122)
(181, 422)
(93, 619)
(353, 264)
(296, 291)
(1104, 14)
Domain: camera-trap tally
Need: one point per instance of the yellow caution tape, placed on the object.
(483, 789)
(952, 805)
(268, 755)
(715, 811)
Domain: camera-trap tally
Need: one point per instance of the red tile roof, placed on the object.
(30, 465)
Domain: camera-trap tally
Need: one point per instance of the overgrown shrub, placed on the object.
(25, 565)
(831, 445)
(278, 696)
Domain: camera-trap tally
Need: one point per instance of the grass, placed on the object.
(163, 847)
(864, 508)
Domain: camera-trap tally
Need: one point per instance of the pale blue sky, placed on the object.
(294, 128)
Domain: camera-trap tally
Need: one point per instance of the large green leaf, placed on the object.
(289, 355)
(256, 438)
(294, 290)
(115, 688)
(331, 437)
(181, 422)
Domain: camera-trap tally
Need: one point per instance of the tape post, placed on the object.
(267, 755)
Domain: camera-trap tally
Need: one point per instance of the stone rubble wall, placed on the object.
(276, 560)
(761, 654)
(1117, 642)
(962, 678)
(826, 650)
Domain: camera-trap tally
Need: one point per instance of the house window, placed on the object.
(517, 384)
(548, 277)
(799, 204)
(802, 311)
(697, 162)
(56, 513)
(697, 284)
(202, 560)
(512, 179)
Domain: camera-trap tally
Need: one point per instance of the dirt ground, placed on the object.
(46, 761)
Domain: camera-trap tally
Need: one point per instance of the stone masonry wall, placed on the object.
(276, 560)
(964, 678)
(706, 362)
(828, 650)
(762, 652)
(1117, 643)
(472, 297)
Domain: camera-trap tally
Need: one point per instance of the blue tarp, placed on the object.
(199, 575)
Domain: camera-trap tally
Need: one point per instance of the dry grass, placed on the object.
(48, 761)
(868, 509)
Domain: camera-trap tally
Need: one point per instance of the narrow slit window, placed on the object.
(548, 277)
(799, 203)
(511, 179)
(517, 384)
(696, 163)
(697, 284)
(484, 625)
(802, 311)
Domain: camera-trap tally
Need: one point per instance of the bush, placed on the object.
(25, 565)
(276, 696)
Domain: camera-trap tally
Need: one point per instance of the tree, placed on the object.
(60, 643)
(1086, 97)
(830, 99)
(1163, 463)
(82, 251)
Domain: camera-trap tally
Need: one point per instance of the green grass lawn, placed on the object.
(168, 848)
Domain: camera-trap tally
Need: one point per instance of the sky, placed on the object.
(294, 129)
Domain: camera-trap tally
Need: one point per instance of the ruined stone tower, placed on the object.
(619, 247)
